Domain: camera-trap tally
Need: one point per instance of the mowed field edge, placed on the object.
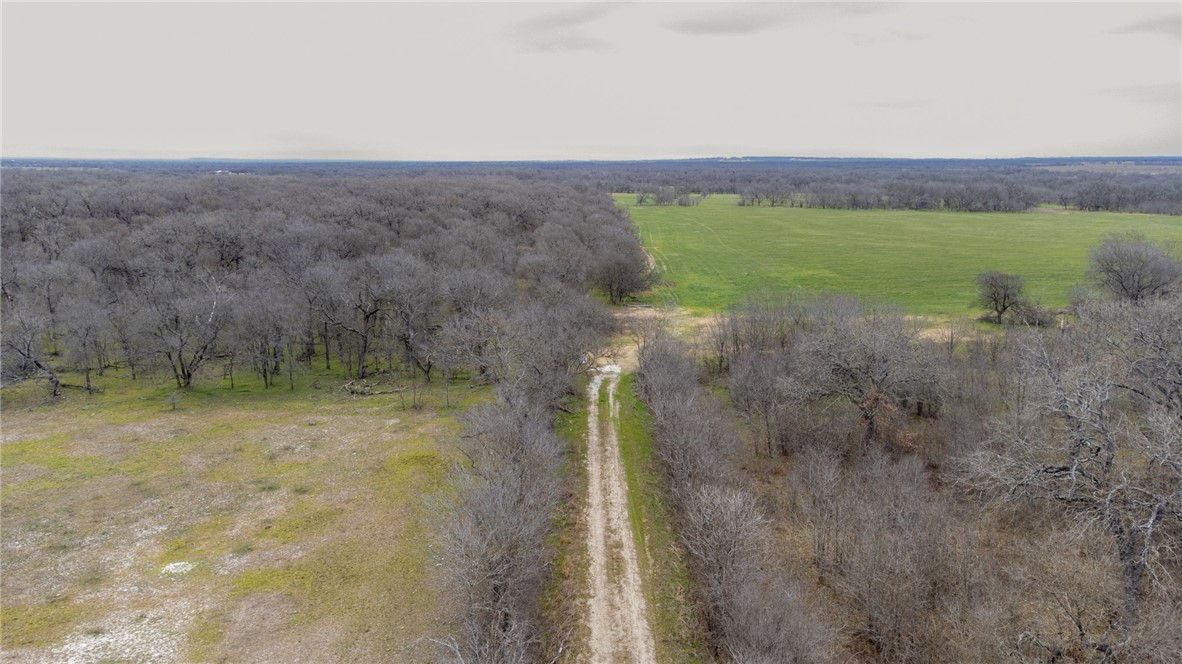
(714, 254)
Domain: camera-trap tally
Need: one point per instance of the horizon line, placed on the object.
(586, 160)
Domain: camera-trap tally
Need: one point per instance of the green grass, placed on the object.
(668, 586)
(635, 451)
(30, 626)
(714, 254)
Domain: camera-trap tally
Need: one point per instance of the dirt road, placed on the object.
(617, 611)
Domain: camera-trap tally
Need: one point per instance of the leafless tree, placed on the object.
(495, 554)
(999, 292)
(1133, 268)
(1145, 343)
(83, 332)
(354, 300)
(868, 357)
(755, 386)
(413, 295)
(754, 609)
(1093, 460)
(620, 267)
(754, 615)
(23, 338)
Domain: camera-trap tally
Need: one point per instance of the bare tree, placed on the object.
(353, 298)
(495, 553)
(1090, 460)
(621, 268)
(83, 331)
(867, 357)
(413, 296)
(756, 378)
(23, 338)
(186, 328)
(1132, 268)
(999, 292)
(1144, 341)
(754, 609)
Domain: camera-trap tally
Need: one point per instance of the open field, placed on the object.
(243, 525)
(713, 254)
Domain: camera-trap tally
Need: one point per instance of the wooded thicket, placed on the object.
(959, 496)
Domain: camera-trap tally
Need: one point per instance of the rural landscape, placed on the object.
(591, 333)
(504, 414)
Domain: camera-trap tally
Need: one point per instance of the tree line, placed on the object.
(899, 185)
(1144, 184)
(755, 607)
(176, 275)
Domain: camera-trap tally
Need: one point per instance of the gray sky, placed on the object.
(591, 81)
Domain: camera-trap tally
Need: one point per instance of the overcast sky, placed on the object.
(591, 81)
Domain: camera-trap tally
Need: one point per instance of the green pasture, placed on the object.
(713, 254)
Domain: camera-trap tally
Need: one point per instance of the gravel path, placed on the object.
(617, 611)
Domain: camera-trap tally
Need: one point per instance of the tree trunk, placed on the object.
(362, 350)
(327, 353)
(291, 366)
(1132, 568)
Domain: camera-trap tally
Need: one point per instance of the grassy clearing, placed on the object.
(715, 253)
(246, 524)
(668, 586)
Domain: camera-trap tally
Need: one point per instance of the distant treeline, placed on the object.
(899, 187)
(1141, 184)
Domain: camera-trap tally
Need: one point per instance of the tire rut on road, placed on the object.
(617, 610)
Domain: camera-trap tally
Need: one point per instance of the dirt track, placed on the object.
(617, 611)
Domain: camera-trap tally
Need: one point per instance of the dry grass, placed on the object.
(247, 525)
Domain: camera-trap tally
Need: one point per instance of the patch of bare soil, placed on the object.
(617, 611)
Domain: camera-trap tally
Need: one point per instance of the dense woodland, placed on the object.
(172, 274)
(898, 496)
(846, 486)
(398, 279)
